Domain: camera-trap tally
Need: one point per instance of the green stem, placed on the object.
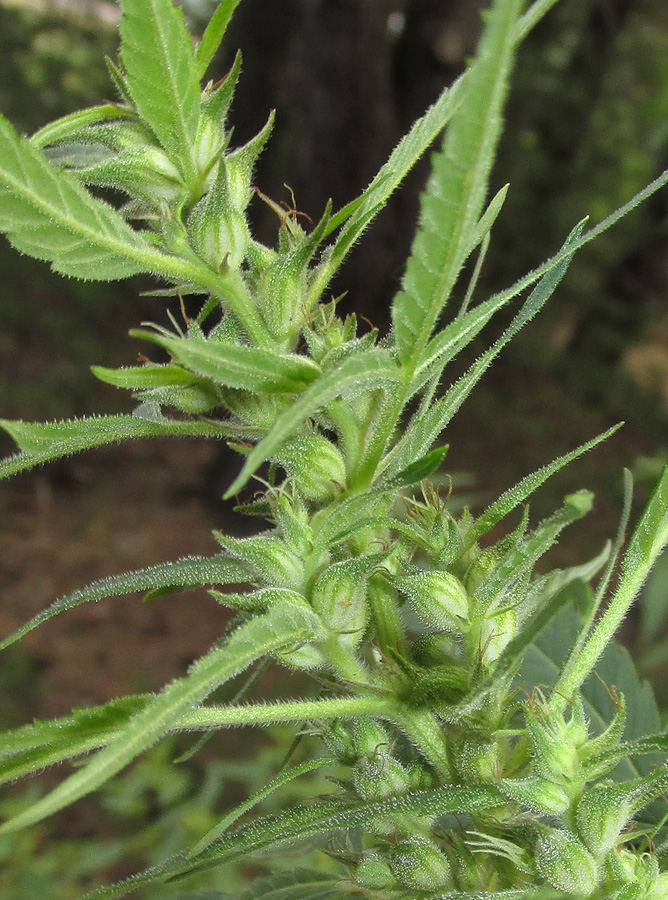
(213, 717)
(228, 286)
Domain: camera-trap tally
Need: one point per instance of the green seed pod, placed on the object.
(374, 873)
(477, 760)
(496, 633)
(556, 743)
(438, 598)
(380, 778)
(565, 863)
(601, 815)
(420, 866)
(370, 738)
(217, 230)
(316, 466)
(339, 597)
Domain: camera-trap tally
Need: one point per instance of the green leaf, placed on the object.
(161, 76)
(360, 212)
(42, 442)
(238, 366)
(32, 748)
(309, 821)
(520, 559)
(510, 499)
(453, 338)
(453, 201)
(426, 425)
(360, 373)
(299, 884)
(228, 820)
(281, 626)
(189, 572)
(213, 35)
(47, 214)
(141, 377)
(649, 539)
(74, 122)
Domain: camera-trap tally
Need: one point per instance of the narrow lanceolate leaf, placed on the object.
(510, 499)
(237, 366)
(453, 201)
(189, 572)
(359, 214)
(47, 214)
(649, 539)
(137, 378)
(40, 443)
(363, 372)
(282, 626)
(304, 822)
(71, 124)
(34, 747)
(213, 35)
(426, 426)
(161, 75)
(297, 884)
(453, 338)
(227, 821)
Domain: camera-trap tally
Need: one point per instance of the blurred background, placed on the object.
(586, 128)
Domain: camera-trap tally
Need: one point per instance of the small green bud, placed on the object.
(438, 598)
(556, 743)
(496, 633)
(379, 778)
(219, 236)
(601, 815)
(339, 597)
(420, 866)
(374, 873)
(565, 863)
(477, 760)
(370, 737)
(316, 466)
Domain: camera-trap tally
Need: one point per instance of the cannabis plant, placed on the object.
(453, 703)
